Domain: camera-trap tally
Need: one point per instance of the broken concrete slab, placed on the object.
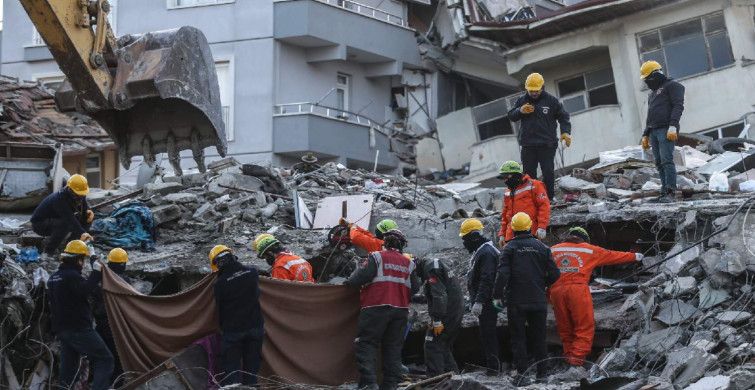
(718, 382)
(233, 178)
(739, 237)
(652, 346)
(741, 379)
(676, 311)
(204, 211)
(165, 213)
(616, 361)
(687, 365)
(181, 198)
(680, 286)
(161, 188)
(711, 263)
(734, 317)
(732, 263)
(681, 261)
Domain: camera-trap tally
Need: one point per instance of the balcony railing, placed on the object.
(366, 10)
(330, 112)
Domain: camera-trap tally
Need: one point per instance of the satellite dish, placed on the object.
(146, 173)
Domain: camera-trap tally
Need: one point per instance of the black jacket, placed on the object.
(68, 292)
(539, 128)
(98, 302)
(526, 269)
(481, 276)
(444, 299)
(61, 205)
(665, 106)
(237, 298)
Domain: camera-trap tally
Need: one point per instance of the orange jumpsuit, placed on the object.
(288, 266)
(365, 240)
(570, 295)
(531, 198)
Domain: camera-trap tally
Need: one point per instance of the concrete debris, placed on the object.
(718, 382)
(734, 317)
(687, 365)
(710, 297)
(151, 189)
(679, 286)
(676, 311)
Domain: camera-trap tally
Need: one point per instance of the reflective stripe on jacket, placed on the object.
(531, 198)
(288, 266)
(391, 285)
(576, 261)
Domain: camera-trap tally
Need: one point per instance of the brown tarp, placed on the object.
(310, 329)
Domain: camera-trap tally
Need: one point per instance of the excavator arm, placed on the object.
(153, 93)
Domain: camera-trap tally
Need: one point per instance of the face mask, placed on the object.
(270, 260)
(655, 80)
(118, 268)
(513, 182)
(471, 242)
(378, 234)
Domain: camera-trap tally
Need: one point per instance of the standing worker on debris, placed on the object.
(445, 304)
(286, 265)
(237, 299)
(665, 107)
(387, 281)
(72, 319)
(539, 111)
(570, 295)
(116, 261)
(523, 194)
(62, 213)
(480, 282)
(526, 270)
(366, 240)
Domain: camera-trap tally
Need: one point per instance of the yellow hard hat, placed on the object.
(649, 67)
(470, 225)
(78, 184)
(216, 250)
(260, 238)
(117, 255)
(534, 82)
(521, 222)
(76, 247)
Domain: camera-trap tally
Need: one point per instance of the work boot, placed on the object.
(669, 197)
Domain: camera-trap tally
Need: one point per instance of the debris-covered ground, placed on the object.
(682, 319)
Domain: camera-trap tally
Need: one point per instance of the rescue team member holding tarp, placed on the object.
(445, 304)
(570, 295)
(366, 240)
(72, 318)
(526, 270)
(539, 111)
(237, 298)
(387, 281)
(62, 213)
(523, 194)
(480, 282)
(116, 261)
(286, 265)
(665, 107)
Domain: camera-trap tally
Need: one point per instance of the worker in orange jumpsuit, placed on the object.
(525, 195)
(286, 265)
(570, 295)
(366, 240)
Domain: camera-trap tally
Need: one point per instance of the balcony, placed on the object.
(299, 128)
(340, 30)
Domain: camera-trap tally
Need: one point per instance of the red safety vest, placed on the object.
(392, 285)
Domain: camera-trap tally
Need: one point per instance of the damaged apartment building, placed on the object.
(590, 54)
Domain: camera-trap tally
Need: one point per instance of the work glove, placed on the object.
(638, 256)
(90, 216)
(527, 109)
(97, 266)
(477, 309)
(87, 237)
(438, 328)
(540, 234)
(345, 222)
(566, 138)
(645, 142)
(498, 302)
(502, 241)
(672, 133)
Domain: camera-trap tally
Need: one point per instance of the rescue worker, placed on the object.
(526, 270)
(539, 112)
(665, 107)
(570, 295)
(68, 292)
(237, 299)
(62, 213)
(116, 261)
(286, 265)
(387, 281)
(366, 240)
(480, 282)
(523, 194)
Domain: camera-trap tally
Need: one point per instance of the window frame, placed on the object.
(705, 35)
(345, 88)
(718, 129)
(98, 170)
(52, 77)
(585, 93)
(173, 4)
(230, 134)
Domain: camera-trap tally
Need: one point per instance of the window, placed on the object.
(50, 82)
(36, 38)
(588, 90)
(728, 130)
(93, 171)
(195, 3)
(688, 48)
(342, 92)
(225, 84)
(492, 120)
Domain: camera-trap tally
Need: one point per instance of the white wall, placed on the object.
(457, 134)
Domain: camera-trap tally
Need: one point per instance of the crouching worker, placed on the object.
(237, 298)
(286, 265)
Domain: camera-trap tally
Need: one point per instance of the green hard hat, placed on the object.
(265, 244)
(386, 225)
(580, 232)
(510, 167)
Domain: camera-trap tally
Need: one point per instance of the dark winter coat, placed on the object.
(526, 269)
(482, 271)
(539, 128)
(237, 298)
(665, 106)
(68, 294)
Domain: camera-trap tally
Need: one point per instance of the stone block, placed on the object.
(676, 311)
(165, 213)
(687, 365)
(181, 198)
(653, 346)
(203, 212)
(710, 297)
(161, 188)
(681, 261)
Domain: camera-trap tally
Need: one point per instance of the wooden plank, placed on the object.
(330, 210)
(304, 218)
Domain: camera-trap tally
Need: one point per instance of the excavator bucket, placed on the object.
(164, 98)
